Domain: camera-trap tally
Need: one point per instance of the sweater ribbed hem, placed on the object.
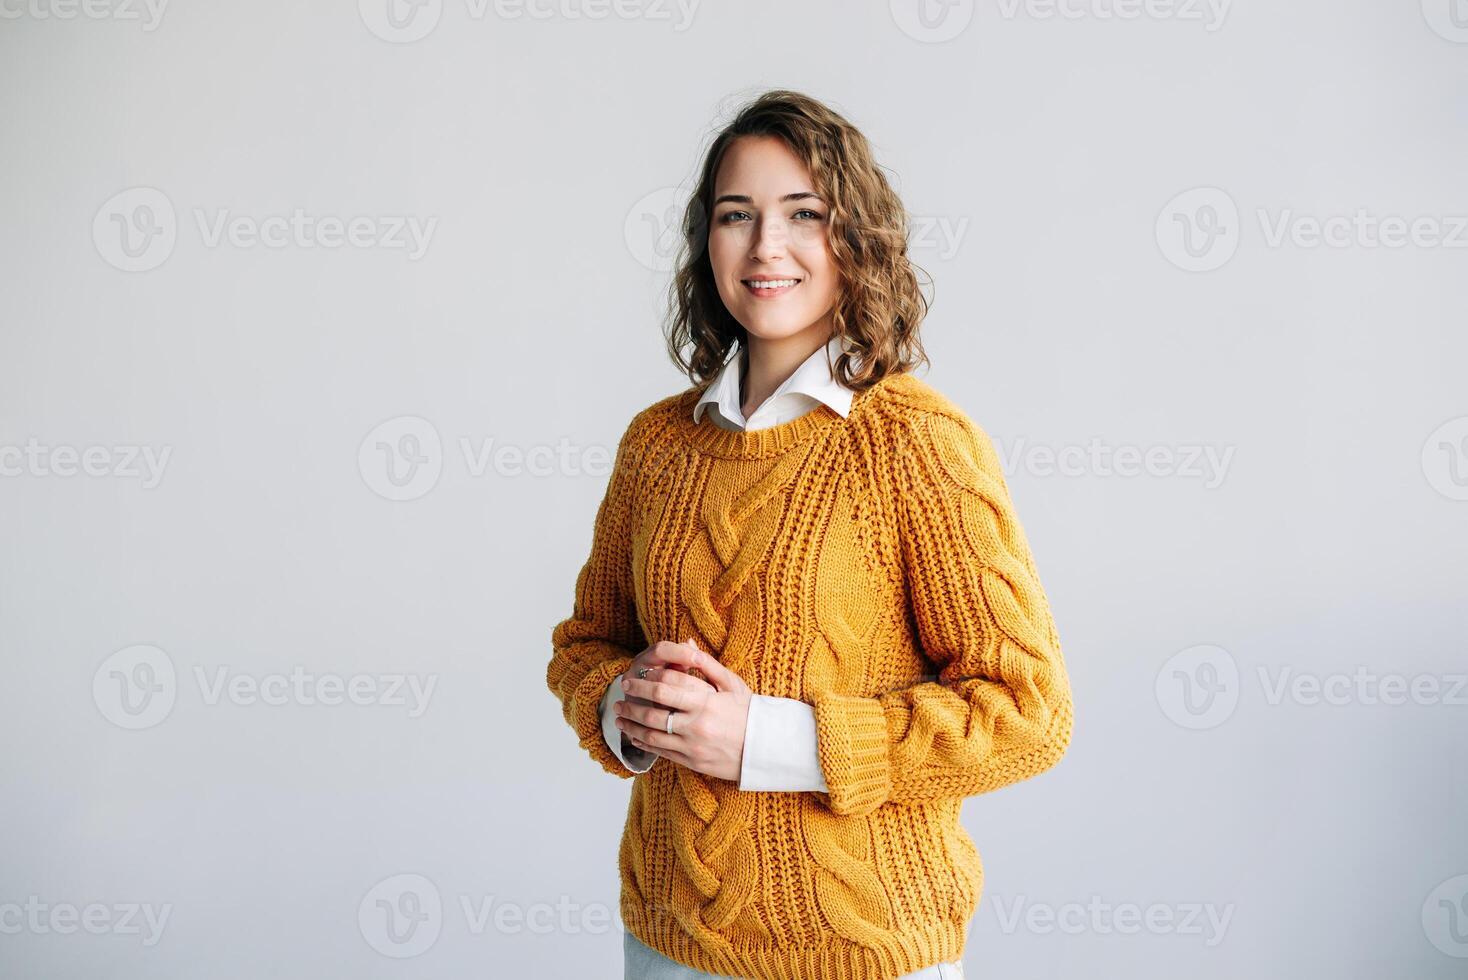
(833, 959)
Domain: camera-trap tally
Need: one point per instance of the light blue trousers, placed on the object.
(641, 962)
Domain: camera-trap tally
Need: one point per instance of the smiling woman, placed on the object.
(810, 623)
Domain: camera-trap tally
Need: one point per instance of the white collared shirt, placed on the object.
(809, 384)
(780, 733)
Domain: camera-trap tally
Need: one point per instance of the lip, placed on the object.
(768, 293)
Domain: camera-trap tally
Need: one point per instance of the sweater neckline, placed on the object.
(709, 437)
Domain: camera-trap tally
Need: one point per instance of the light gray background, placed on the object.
(1049, 150)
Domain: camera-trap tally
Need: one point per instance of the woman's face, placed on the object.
(769, 224)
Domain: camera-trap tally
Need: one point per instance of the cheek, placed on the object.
(816, 258)
(824, 278)
(726, 244)
(718, 253)
(721, 259)
(822, 300)
(726, 258)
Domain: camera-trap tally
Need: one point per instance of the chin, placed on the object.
(777, 328)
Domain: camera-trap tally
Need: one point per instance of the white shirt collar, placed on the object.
(812, 378)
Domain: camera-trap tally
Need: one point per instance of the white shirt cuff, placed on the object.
(780, 747)
(638, 760)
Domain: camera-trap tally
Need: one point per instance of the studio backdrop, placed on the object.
(319, 327)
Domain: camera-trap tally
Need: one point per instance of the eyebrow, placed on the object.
(746, 199)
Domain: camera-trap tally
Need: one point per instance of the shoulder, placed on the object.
(937, 439)
(659, 414)
(648, 436)
(925, 421)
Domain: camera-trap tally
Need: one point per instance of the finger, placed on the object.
(668, 675)
(634, 673)
(665, 652)
(662, 699)
(721, 677)
(690, 680)
(651, 737)
(671, 754)
(659, 668)
(629, 677)
(674, 689)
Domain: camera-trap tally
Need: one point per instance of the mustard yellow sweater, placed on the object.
(873, 567)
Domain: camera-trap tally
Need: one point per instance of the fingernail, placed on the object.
(626, 683)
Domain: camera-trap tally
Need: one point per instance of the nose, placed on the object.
(769, 239)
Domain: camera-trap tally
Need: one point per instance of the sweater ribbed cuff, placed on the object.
(852, 742)
(587, 709)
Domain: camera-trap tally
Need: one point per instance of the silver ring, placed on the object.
(642, 673)
(668, 727)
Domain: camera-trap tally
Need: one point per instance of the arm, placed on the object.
(600, 638)
(1000, 710)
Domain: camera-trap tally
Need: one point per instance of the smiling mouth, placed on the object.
(770, 287)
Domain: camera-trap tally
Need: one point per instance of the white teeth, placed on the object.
(772, 283)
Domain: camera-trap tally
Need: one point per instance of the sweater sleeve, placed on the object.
(1000, 708)
(600, 638)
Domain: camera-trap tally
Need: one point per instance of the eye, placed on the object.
(728, 216)
(814, 214)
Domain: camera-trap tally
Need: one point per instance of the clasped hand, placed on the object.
(709, 715)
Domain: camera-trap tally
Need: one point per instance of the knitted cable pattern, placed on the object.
(874, 567)
(711, 817)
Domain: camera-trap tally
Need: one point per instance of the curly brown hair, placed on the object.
(880, 303)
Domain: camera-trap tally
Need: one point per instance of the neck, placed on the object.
(769, 362)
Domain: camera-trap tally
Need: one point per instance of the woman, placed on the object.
(810, 623)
